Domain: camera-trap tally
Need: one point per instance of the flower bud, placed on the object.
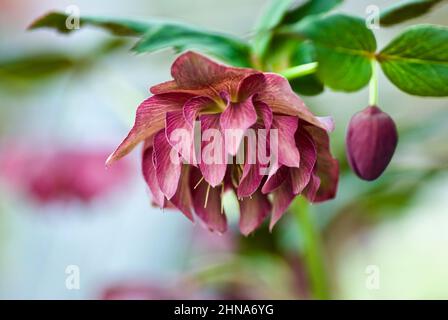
(370, 142)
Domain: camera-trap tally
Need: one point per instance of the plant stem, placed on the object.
(373, 86)
(299, 71)
(312, 250)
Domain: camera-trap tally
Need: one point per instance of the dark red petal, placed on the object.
(275, 180)
(279, 96)
(213, 157)
(253, 211)
(288, 154)
(195, 73)
(207, 205)
(150, 118)
(308, 155)
(149, 173)
(235, 120)
(182, 198)
(180, 135)
(251, 85)
(327, 167)
(371, 141)
(265, 113)
(168, 167)
(310, 192)
(282, 198)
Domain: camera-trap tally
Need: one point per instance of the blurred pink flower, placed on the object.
(140, 291)
(60, 175)
(231, 99)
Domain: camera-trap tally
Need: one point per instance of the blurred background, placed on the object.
(71, 99)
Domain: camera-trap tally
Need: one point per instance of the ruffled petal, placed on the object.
(310, 192)
(195, 73)
(150, 118)
(235, 120)
(207, 203)
(253, 211)
(180, 135)
(182, 198)
(194, 106)
(275, 180)
(327, 167)
(282, 198)
(251, 85)
(279, 96)
(288, 154)
(167, 163)
(264, 113)
(213, 157)
(149, 173)
(308, 154)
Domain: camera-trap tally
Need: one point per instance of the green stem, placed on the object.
(299, 71)
(312, 250)
(373, 86)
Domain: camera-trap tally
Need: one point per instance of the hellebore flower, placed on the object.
(213, 100)
(60, 175)
(371, 141)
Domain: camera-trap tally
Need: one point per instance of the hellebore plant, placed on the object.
(297, 49)
(231, 101)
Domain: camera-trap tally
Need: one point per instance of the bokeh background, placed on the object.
(396, 226)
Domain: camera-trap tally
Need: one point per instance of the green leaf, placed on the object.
(405, 10)
(226, 47)
(308, 85)
(417, 61)
(119, 27)
(312, 7)
(157, 34)
(344, 49)
(35, 65)
(270, 18)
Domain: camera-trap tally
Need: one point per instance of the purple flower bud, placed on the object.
(371, 141)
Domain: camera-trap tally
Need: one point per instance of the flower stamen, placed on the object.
(206, 196)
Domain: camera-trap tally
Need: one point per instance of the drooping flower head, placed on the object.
(371, 141)
(235, 119)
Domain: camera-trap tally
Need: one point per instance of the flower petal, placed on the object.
(251, 85)
(207, 203)
(279, 96)
(180, 135)
(150, 118)
(288, 154)
(282, 198)
(250, 180)
(253, 211)
(310, 192)
(195, 73)
(308, 155)
(168, 167)
(149, 173)
(213, 162)
(265, 113)
(275, 180)
(327, 167)
(193, 106)
(235, 120)
(182, 198)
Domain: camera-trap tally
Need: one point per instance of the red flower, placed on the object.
(236, 100)
(60, 175)
(371, 141)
